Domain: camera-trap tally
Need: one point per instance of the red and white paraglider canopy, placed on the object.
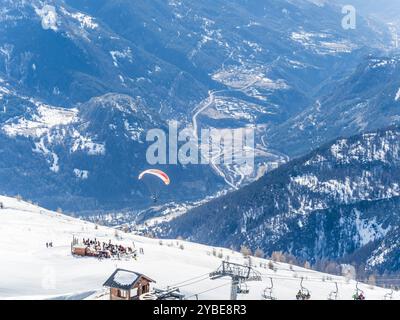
(158, 173)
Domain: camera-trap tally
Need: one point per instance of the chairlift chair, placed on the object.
(333, 295)
(304, 293)
(268, 293)
(243, 288)
(389, 295)
(359, 294)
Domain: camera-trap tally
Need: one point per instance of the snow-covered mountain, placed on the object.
(368, 99)
(88, 157)
(29, 270)
(82, 81)
(339, 202)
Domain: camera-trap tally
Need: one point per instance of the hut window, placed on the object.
(145, 288)
(123, 294)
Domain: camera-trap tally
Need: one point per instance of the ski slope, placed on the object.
(29, 270)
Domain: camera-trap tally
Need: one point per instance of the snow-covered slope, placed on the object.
(29, 270)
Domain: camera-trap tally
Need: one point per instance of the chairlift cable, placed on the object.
(289, 278)
(191, 279)
(188, 284)
(208, 290)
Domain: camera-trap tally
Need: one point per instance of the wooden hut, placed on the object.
(127, 285)
(79, 250)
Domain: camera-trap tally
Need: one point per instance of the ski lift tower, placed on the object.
(238, 273)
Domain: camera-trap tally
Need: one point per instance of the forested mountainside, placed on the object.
(340, 201)
(368, 99)
(81, 82)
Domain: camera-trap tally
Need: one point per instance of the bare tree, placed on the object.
(271, 265)
(245, 251)
(259, 253)
(372, 280)
(278, 256)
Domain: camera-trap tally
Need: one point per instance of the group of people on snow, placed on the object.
(113, 249)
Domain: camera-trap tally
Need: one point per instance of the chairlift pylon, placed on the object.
(239, 275)
(268, 291)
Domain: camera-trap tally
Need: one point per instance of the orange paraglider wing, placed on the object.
(158, 173)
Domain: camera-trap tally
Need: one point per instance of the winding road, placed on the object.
(202, 107)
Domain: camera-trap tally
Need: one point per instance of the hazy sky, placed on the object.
(388, 10)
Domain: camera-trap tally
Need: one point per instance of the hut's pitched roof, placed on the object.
(124, 279)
